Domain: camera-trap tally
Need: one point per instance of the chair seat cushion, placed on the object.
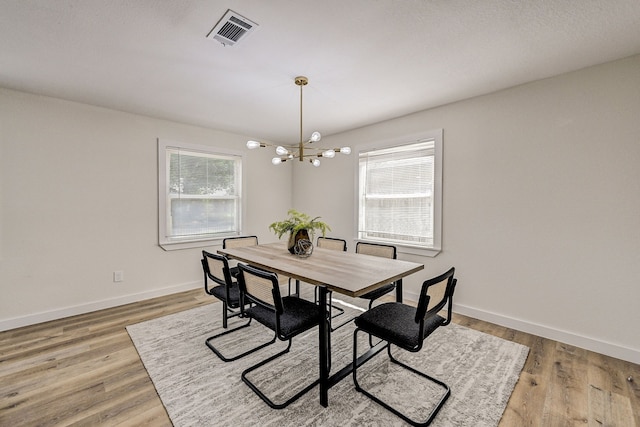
(234, 295)
(298, 316)
(394, 322)
(377, 293)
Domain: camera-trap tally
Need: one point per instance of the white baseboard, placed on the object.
(602, 347)
(32, 319)
(598, 346)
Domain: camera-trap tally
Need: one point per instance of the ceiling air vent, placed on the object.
(232, 28)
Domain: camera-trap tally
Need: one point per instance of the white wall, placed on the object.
(78, 193)
(541, 204)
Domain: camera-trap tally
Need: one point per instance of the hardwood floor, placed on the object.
(562, 385)
(84, 370)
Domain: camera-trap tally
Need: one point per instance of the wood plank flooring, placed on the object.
(85, 371)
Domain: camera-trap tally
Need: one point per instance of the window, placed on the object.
(400, 193)
(200, 195)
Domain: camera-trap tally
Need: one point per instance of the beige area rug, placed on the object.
(198, 389)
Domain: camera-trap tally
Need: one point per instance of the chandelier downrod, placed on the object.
(301, 81)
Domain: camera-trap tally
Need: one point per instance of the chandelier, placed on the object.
(290, 152)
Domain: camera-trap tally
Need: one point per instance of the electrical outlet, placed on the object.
(118, 276)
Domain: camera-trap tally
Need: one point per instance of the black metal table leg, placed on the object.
(399, 291)
(324, 346)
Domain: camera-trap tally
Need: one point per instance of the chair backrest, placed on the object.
(332, 243)
(216, 267)
(260, 287)
(239, 242)
(375, 249)
(435, 294)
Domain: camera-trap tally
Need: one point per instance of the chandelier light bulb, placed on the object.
(315, 137)
(281, 151)
(329, 154)
(345, 150)
(252, 144)
(276, 160)
(315, 162)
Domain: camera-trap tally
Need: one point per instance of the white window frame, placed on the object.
(415, 249)
(171, 243)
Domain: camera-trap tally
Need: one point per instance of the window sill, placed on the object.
(407, 249)
(174, 246)
(428, 252)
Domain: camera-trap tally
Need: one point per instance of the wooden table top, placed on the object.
(343, 272)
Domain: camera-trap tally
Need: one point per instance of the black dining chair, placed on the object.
(333, 244)
(407, 327)
(242, 242)
(384, 251)
(238, 242)
(223, 287)
(286, 316)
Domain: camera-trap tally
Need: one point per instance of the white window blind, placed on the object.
(202, 195)
(396, 194)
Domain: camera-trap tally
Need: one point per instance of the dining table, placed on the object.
(346, 273)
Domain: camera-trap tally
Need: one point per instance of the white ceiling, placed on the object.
(366, 60)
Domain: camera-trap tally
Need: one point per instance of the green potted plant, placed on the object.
(299, 226)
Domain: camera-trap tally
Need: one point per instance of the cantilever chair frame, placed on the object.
(423, 314)
(212, 272)
(273, 303)
(226, 281)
